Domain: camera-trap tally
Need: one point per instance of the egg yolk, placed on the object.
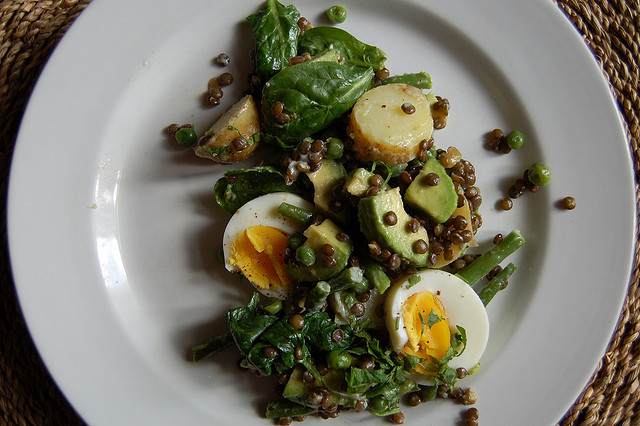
(258, 252)
(427, 327)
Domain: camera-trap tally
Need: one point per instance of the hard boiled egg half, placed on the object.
(254, 242)
(422, 314)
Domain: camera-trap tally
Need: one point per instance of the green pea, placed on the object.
(295, 240)
(379, 403)
(407, 386)
(539, 174)
(337, 14)
(515, 139)
(305, 255)
(272, 305)
(428, 393)
(186, 136)
(335, 148)
(339, 360)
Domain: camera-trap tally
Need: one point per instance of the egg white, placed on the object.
(262, 210)
(462, 307)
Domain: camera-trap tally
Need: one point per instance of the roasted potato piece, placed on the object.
(388, 123)
(231, 138)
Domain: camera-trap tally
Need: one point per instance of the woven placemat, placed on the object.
(29, 30)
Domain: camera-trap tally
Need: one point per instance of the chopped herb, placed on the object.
(413, 280)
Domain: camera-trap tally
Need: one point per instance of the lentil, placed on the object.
(569, 203)
(298, 353)
(304, 24)
(225, 79)
(382, 74)
(223, 59)
(363, 297)
(506, 204)
(394, 262)
(413, 225)
(328, 250)
(307, 377)
(277, 108)
(376, 180)
(397, 418)
(367, 364)
(270, 352)
(390, 218)
(408, 108)
(357, 310)
(432, 179)
(469, 397)
(330, 262)
(414, 399)
(239, 144)
(216, 92)
(283, 118)
(420, 246)
(497, 238)
(296, 321)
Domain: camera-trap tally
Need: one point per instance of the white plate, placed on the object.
(114, 231)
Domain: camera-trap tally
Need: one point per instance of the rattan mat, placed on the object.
(29, 30)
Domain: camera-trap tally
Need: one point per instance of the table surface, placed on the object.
(30, 30)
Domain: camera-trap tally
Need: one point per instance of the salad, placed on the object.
(353, 227)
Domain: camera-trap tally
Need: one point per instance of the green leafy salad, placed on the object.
(353, 228)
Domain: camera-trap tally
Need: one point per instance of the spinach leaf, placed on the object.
(314, 94)
(421, 80)
(239, 186)
(275, 30)
(254, 332)
(319, 39)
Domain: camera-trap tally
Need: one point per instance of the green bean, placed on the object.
(272, 305)
(213, 346)
(375, 274)
(480, 267)
(284, 408)
(499, 282)
(350, 278)
(296, 213)
(317, 296)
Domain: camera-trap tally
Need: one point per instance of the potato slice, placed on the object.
(382, 130)
(241, 120)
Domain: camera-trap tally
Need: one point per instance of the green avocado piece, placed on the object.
(317, 237)
(324, 180)
(397, 238)
(439, 201)
(358, 183)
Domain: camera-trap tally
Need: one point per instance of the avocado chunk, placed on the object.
(317, 236)
(397, 237)
(324, 180)
(358, 182)
(438, 202)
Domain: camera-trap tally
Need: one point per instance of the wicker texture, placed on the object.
(29, 30)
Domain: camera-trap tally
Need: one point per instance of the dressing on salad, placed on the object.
(353, 231)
